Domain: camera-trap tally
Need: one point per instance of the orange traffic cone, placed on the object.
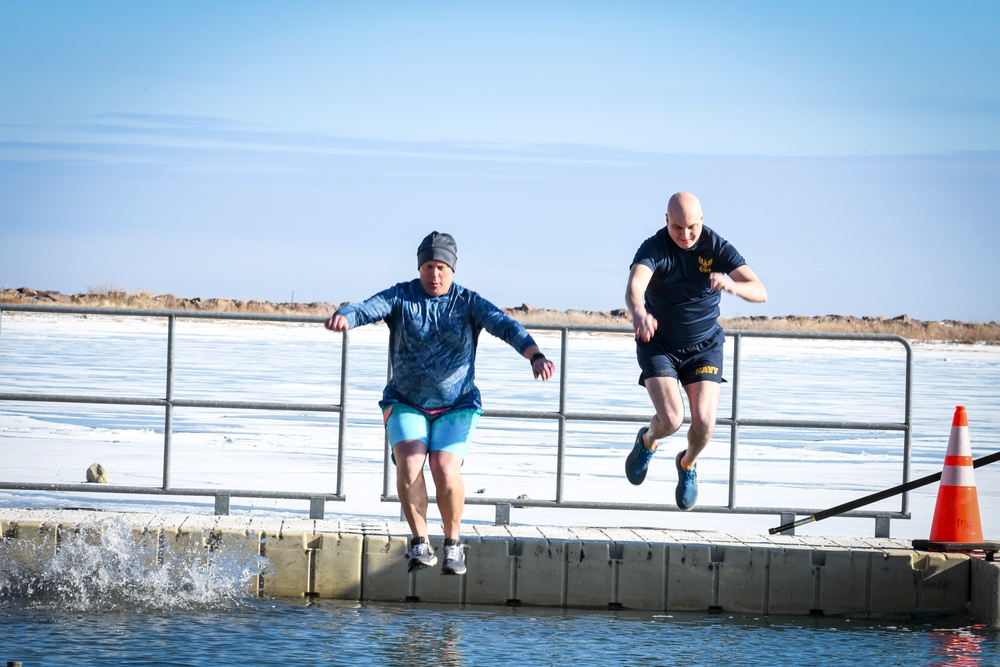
(957, 525)
(956, 515)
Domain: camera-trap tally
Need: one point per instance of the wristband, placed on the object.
(536, 356)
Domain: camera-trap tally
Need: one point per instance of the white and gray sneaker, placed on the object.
(454, 559)
(421, 556)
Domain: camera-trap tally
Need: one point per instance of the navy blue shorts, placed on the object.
(699, 363)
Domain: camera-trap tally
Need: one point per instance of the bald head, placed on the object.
(685, 205)
(684, 219)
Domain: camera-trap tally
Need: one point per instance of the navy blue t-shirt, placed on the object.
(678, 295)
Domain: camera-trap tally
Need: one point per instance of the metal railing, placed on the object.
(734, 422)
(562, 415)
(169, 401)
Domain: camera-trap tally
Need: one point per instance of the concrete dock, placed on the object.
(586, 568)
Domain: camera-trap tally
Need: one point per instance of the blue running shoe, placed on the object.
(687, 485)
(638, 459)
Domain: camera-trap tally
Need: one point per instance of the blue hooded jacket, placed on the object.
(432, 342)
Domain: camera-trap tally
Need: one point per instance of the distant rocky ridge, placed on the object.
(142, 299)
(121, 299)
(902, 325)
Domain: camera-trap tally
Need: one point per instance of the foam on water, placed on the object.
(108, 566)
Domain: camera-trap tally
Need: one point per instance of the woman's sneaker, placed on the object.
(421, 556)
(454, 559)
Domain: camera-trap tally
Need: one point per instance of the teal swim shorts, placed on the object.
(445, 431)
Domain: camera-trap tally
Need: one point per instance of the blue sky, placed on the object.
(252, 150)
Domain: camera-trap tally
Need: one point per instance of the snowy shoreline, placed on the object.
(299, 361)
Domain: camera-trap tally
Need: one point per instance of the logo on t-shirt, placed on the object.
(706, 265)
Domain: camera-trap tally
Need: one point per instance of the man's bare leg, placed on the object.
(410, 484)
(703, 398)
(449, 491)
(665, 394)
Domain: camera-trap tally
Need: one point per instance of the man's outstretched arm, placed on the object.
(742, 282)
(635, 301)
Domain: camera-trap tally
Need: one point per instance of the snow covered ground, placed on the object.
(278, 450)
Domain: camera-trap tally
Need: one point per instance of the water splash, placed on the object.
(109, 567)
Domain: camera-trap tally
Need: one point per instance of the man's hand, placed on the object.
(645, 326)
(543, 368)
(644, 323)
(720, 282)
(742, 282)
(337, 323)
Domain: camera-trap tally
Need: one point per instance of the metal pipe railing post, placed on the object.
(907, 420)
(561, 444)
(168, 417)
(386, 452)
(342, 428)
(734, 428)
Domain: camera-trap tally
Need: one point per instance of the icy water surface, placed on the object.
(264, 632)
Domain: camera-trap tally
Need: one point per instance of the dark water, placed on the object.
(97, 601)
(261, 632)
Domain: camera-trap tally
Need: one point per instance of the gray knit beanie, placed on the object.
(438, 247)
